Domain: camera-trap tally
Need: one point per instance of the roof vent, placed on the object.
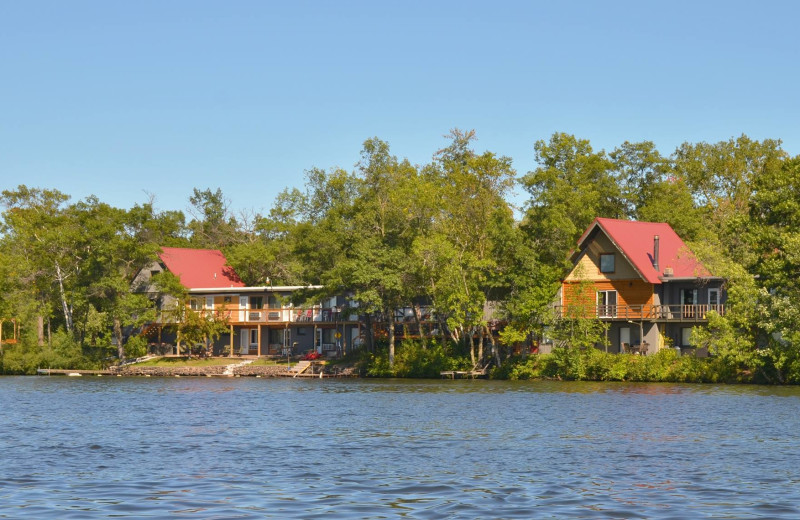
(668, 271)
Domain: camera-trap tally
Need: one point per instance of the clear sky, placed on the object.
(121, 99)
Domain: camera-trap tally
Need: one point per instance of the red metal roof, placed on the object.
(636, 241)
(200, 268)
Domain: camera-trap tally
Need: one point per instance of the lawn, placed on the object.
(268, 362)
(186, 362)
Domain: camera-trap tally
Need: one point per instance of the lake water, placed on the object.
(272, 448)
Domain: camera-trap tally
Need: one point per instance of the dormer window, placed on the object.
(607, 263)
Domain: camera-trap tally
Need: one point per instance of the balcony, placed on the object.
(284, 315)
(676, 312)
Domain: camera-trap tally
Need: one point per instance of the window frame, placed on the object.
(604, 307)
(613, 262)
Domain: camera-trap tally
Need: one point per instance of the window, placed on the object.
(196, 304)
(689, 303)
(256, 302)
(607, 304)
(713, 299)
(273, 302)
(226, 299)
(254, 336)
(607, 263)
(686, 335)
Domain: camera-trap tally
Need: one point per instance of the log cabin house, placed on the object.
(261, 320)
(643, 282)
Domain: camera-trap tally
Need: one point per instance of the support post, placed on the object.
(231, 340)
(259, 340)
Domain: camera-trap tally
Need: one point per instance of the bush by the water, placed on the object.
(63, 352)
(595, 365)
(413, 361)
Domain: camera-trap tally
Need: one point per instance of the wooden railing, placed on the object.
(675, 312)
(311, 315)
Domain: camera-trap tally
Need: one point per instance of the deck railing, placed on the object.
(674, 312)
(234, 314)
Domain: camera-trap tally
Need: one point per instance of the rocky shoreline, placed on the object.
(239, 370)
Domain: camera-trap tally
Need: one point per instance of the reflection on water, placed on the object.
(263, 448)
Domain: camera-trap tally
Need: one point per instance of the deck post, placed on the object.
(259, 341)
(231, 340)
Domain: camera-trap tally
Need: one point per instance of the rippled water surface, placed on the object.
(273, 448)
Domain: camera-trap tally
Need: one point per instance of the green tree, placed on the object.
(572, 186)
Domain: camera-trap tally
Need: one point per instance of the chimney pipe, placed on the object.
(655, 252)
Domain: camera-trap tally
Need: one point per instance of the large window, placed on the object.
(196, 304)
(256, 302)
(607, 304)
(607, 263)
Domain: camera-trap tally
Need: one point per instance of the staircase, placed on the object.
(299, 368)
(229, 368)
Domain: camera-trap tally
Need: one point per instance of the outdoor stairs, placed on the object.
(229, 368)
(299, 368)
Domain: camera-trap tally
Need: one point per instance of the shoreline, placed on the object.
(239, 370)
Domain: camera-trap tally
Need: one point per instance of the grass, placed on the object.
(268, 362)
(186, 362)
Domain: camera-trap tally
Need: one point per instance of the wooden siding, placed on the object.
(588, 265)
(633, 293)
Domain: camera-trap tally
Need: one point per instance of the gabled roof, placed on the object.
(635, 240)
(200, 267)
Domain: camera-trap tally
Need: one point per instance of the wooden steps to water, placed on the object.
(300, 368)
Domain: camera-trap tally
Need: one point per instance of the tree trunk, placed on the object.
(391, 338)
(471, 339)
(65, 307)
(481, 339)
(40, 329)
(118, 336)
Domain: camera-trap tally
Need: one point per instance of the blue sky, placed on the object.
(121, 99)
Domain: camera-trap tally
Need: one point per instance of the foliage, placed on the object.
(443, 234)
(412, 360)
(595, 365)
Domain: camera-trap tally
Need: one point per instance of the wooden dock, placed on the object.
(464, 374)
(74, 373)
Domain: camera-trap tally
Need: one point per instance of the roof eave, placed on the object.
(690, 278)
(265, 288)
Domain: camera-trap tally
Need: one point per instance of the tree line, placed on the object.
(395, 234)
